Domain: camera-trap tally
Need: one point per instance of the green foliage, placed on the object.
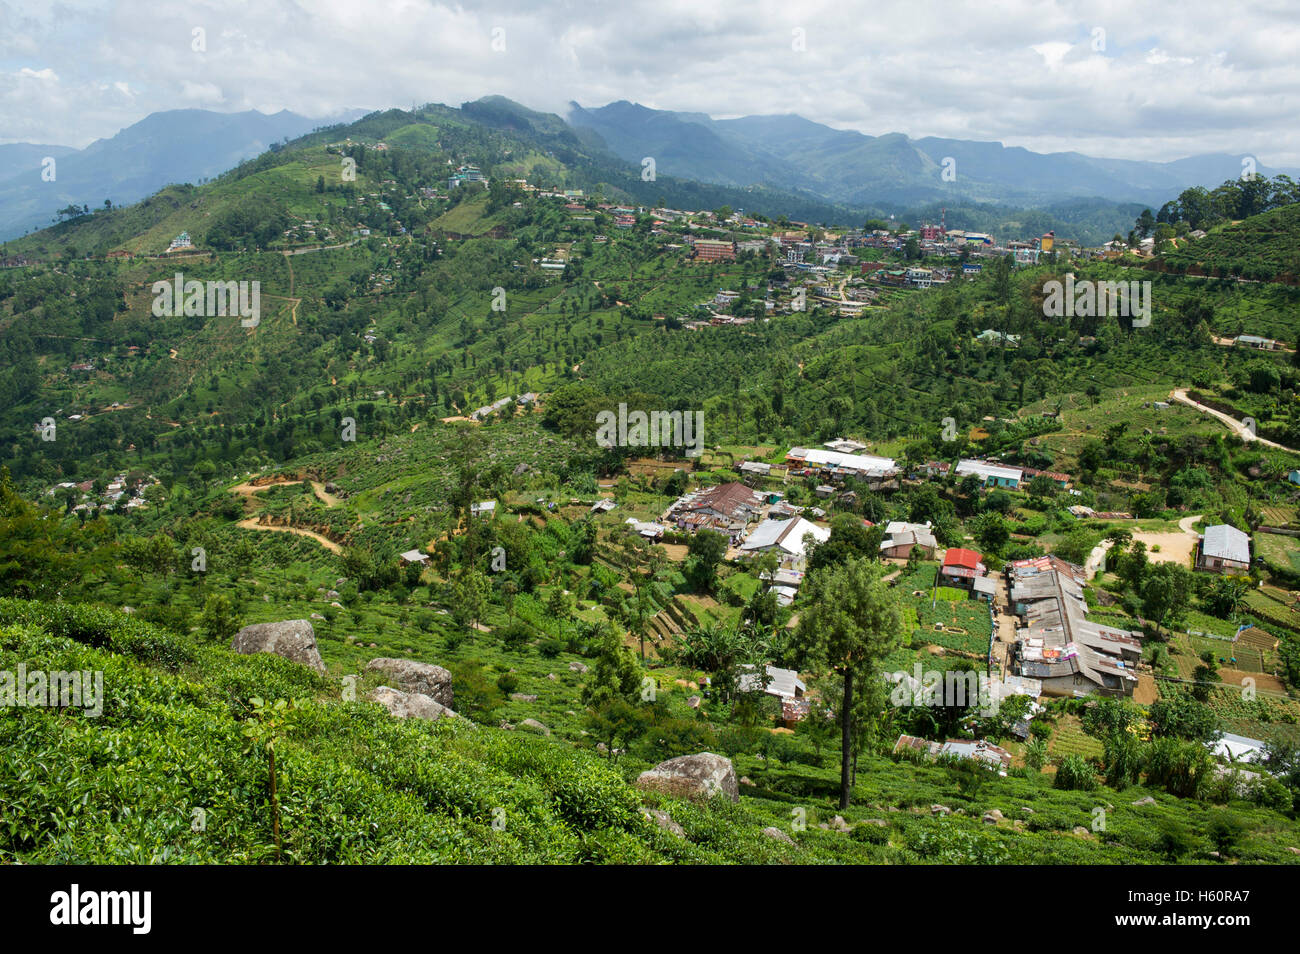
(1075, 773)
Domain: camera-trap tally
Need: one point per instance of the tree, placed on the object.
(706, 550)
(615, 674)
(990, 531)
(469, 597)
(1166, 588)
(849, 622)
(218, 621)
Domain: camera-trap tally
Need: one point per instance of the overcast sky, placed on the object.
(1140, 80)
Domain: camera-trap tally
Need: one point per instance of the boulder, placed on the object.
(992, 816)
(777, 834)
(522, 697)
(664, 821)
(409, 705)
(294, 639)
(534, 726)
(410, 676)
(576, 666)
(699, 776)
(940, 810)
(1144, 801)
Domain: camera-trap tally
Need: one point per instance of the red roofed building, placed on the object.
(961, 567)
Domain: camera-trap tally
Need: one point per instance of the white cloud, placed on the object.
(1020, 71)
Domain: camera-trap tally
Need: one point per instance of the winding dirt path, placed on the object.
(248, 491)
(250, 523)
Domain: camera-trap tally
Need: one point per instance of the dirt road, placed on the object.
(1236, 426)
(250, 523)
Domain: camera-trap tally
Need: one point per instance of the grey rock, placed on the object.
(576, 666)
(777, 834)
(522, 697)
(411, 676)
(1144, 801)
(664, 821)
(700, 776)
(294, 639)
(534, 726)
(940, 810)
(409, 705)
(992, 816)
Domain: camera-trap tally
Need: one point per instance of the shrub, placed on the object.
(1075, 773)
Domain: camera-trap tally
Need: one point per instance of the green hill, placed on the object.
(1264, 247)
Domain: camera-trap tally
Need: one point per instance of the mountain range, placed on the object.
(848, 167)
(777, 164)
(180, 145)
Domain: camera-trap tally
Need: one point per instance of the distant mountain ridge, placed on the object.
(179, 145)
(844, 166)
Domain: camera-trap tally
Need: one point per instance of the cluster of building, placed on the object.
(1056, 643)
(122, 492)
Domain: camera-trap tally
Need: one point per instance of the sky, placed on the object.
(1135, 80)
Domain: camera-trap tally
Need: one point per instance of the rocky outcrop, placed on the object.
(664, 821)
(294, 639)
(409, 705)
(699, 776)
(411, 676)
(533, 725)
(777, 834)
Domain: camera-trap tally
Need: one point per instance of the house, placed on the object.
(785, 537)
(651, 531)
(1256, 342)
(1061, 480)
(920, 277)
(782, 683)
(990, 474)
(1237, 748)
(1223, 549)
(961, 567)
(604, 505)
(711, 250)
(984, 588)
(901, 538)
(486, 508)
(727, 509)
(414, 556)
(1069, 654)
(990, 334)
(992, 755)
(838, 465)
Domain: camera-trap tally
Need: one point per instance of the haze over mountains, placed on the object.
(798, 157)
(180, 145)
(845, 166)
